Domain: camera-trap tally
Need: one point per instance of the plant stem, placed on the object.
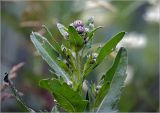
(78, 66)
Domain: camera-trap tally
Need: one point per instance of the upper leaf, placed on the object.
(63, 30)
(109, 103)
(90, 35)
(48, 53)
(106, 49)
(75, 39)
(111, 44)
(70, 100)
(51, 39)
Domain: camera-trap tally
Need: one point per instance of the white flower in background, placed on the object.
(100, 9)
(100, 3)
(153, 13)
(153, 2)
(130, 74)
(133, 40)
(91, 4)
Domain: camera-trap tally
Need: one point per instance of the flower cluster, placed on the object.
(83, 29)
(80, 28)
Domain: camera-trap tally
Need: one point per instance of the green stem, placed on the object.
(78, 66)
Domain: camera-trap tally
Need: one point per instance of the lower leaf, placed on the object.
(109, 103)
(67, 98)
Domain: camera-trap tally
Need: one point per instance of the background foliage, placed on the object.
(137, 18)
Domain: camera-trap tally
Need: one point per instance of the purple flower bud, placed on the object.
(78, 23)
(80, 29)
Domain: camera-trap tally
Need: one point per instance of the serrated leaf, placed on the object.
(48, 54)
(109, 103)
(106, 49)
(62, 29)
(75, 39)
(67, 98)
(108, 78)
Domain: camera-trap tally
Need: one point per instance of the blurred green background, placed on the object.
(140, 19)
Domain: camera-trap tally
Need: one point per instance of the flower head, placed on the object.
(78, 23)
(80, 29)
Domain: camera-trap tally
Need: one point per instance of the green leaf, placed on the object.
(62, 29)
(89, 38)
(101, 94)
(75, 39)
(109, 74)
(90, 35)
(106, 49)
(108, 78)
(111, 44)
(109, 103)
(49, 54)
(67, 98)
(52, 40)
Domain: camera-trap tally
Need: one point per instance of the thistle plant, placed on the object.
(72, 60)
